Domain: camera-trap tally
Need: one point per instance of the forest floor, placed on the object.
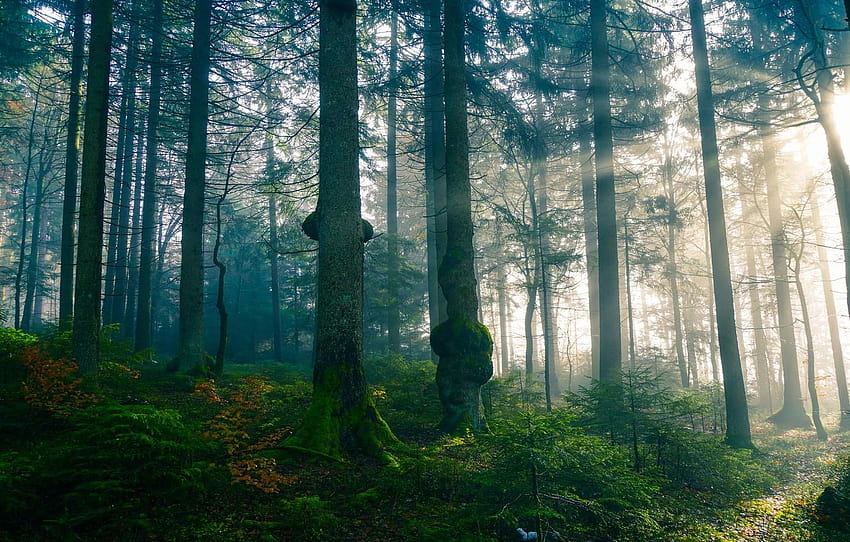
(803, 466)
(153, 456)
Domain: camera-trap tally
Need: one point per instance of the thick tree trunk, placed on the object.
(147, 250)
(435, 160)
(393, 307)
(610, 350)
(191, 348)
(737, 416)
(464, 344)
(72, 151)
(86, 332)
(588, 200)
(832, 318)
(341, 417)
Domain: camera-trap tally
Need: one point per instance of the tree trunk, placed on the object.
(630, 317)
(832, 317)
(737, 416)
(672, 267)
(588, 200)
(610, 352)
(435, 160)
(393, 307)
(341, 417)
(85, 337)
(501, 286)
(274, 260)
(128, 325)
(191, 348)
(147, 250)
(72, 151)
(464, 344)
(810, 348)
(32, 263)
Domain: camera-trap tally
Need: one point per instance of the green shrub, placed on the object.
(13, 343)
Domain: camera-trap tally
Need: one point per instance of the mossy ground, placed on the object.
(478, 486)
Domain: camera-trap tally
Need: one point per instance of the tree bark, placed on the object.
(72, 151)
(191, 344)
(737, 416)
(610, 352)
(274, 261)
(463, 344)
(128, 325)
(341, 417)
(86, 331)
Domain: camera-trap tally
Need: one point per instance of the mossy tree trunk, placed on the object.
(737, 416)
(463, 344)
(341, 418)
(86, 332)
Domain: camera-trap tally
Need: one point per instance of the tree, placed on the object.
(610, 352)
(342, 417)
(393, 316)
(463, 344)
(86, 331)
(738, 422)
(191, 348)
(72, 150)
(147, 250)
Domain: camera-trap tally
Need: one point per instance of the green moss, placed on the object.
(310, 227)
(467, 348)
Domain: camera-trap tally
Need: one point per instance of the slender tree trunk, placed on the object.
(832, 317)
(712, 322)
(274, 261)
(588, 200)
(147, 250)
(464, 344)
(341, 417)
(530, 307)
(72, 151)
(84, 340)
(32, 264)
(501, 286)
(810, 349)
(393, 308)
(128, 325)
(672, 267)
(191, 347)
(737, 416)
(630, 317)
(221, 348)
(435, 160)
(610, 353)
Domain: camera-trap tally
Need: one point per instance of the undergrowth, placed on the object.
(147, 455)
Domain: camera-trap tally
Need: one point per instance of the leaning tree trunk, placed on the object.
(737, 416)
(147, 250)
(341, 417)
(72, 151)
(191, 344)
(462, 342)
(610, 347)
(84, 339)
